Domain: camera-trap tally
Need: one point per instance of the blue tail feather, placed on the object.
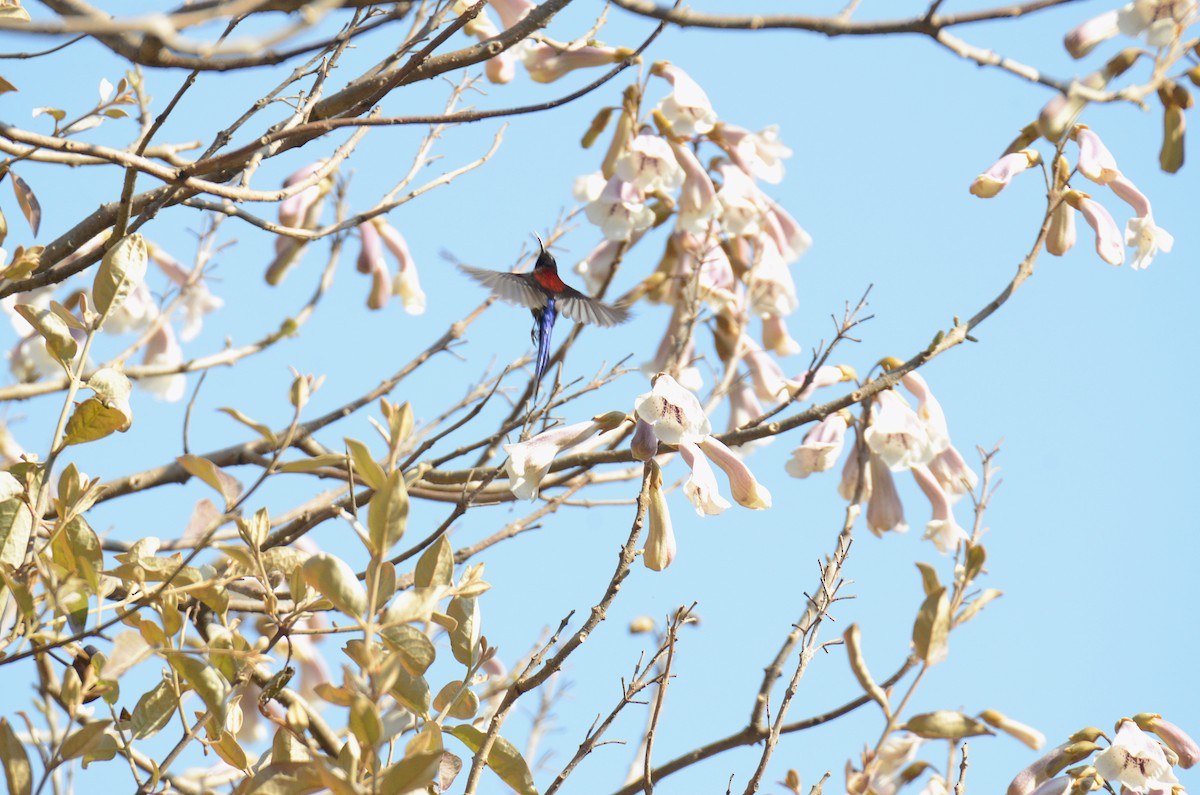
(543, 326)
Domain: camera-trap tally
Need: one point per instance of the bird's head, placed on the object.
(545, 258)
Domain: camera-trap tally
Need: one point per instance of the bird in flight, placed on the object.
(546, 296)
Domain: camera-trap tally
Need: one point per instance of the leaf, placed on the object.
(122, 269)
(977, 604)
(436, 566)
(16, 523)
(929, 578)
(421, 762)
(153, 711)
(313, 464)
(504, 759)
(365, 464)
(365, 723)
(59, 342)
(16, 762)
(464, 638)
(333, 578)
(858, 665)
(226, 485)
(412, 692)
(416, 650)
(115, 113)
(55, 113)
(82, 741)
(945, 724)
(387, 515)
(976, 557)
(85, 123)
(78, 546)
(92, 420)
(931, 630)
(466, 702)
(106, 90)
(207, 681)
(262, 430)
(6, 86)
(27, 201)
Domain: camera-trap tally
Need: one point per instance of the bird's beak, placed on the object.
(541, 245)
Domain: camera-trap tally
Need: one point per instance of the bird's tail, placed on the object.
(543, 326)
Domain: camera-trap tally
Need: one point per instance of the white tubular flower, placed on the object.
(660, 537)
(1109, 243)
(1186, 749)
(370, 260)
(821, 447)
(851, 474)
(598, 264)
(687, 106)
(770, 384)
(895, 754)
(406, 283)
(885, 512)
(742, 204)
(1000, 173)
(620, 210)
(791, 238)
(1084, 37)
(698, 203)
(1095, 161)
(760, 154)
(1135, 760)
(929, 410)
(771, 288)
(1140, 231)
(546, 63)
(649, 165)
(511, 11)
(529, 461)
(746, 490)
(197, 300)
(163, 350)
(825, 375)
(701, 487)
(1158, 19)
(953, 474)
(29, 360)
(674, 412)
(744, 407)
(935, 786)
(136, 313)
(295, 210)
(942, 530)
(896, 434)
(775, 337)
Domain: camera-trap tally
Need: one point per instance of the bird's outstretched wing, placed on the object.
(584, 309)
(511, 287)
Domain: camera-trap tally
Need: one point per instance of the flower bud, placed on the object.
(644, 444)
(660, 538)
(1173, 737)
(1085, 36)
(1000, 173)
(1170, 157)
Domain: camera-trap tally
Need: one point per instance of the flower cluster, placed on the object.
(1097, 164)
(1160, 21)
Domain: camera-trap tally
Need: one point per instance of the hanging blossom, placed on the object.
(548, 62)
(162, 350)
(1096, 162)
(687, 107)
(500, 68)
(616, 206)
(883, 773)
(1146, 237)
(1135, 761)
(760, 154)
(942, 529)
(688, 374)
(649, 165)
(701, 487)
(598, 264)
(952, 473)
(660, 535)
(698, 204)
(896, 434)
(370, 261)
(777, 339)
(511, 11)
(301, 210)
(1000, 173)
(1158, 20)
(769, 281)
(743, 205)
(1186, 750)
(821, 447)
(529, 461)
(1109, 243)
(197, 300)
(406, 283)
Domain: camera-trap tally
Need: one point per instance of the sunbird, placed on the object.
(546, 296)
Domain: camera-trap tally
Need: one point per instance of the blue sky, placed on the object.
(1091, 536)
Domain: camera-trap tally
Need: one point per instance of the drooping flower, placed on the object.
(775, 337)
(743, 408)
(500, 68)
(698, 202)
(742, 204)
(619, 210)
(1061, 236)
(952, 473)
(885, 512)
(135, 313)
(660, 537)
(1175, 738)
(163, 350)
(1135, 760)
(301, 210)
(929, 410)
(370, 260)
(791, 238)
(547, 63)
(942, 529)
(769, 282)
(197, 300)
(1000, 173)
(1096, 162)
(406, 284)
(687, 106)
(674, 412)
(598, 264)
(821, 446)
(529, 461)
(760, 154)
(1084, 37)
(676, 355)
(896, 434)
(643, 444)
(1109, 243)
(1159, 20)
(746, 489)
(701, 487)
(1140, 231)
(511, 11)
(649, 165)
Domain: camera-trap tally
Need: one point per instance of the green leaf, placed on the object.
(945, 724)
(86, 738)
(16, 762)
(92, 420)
(365, 723)
(313, 464)
(16, 523)
(153, 711)
(422, 759)
(977, 604)
(226, 485)
(208, 683)
(365, 464)
(466, 702)
(412, 692)
(333, 578)
(53, 330)
(262, 430)
(436, 566)
(929, 578)
(27, 201)
(387, 515)
(931, 630)
(414, 646)
(976, 557)
(122, 269)
(464, 638)
(504, 759)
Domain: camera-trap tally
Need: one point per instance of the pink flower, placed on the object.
(598, 264)
(163, 350)
(885, 512)
(649, 164)
(620, 210)
(529, 461)
(197, 300)
(511, 11)
(1134, 760)
(1085, 36)
(687, 106)
(942, 529)
(746, 490)
(743, 408)
(775, 337)
(701, 487)
(644, 444)
(1140, 231)
(370, 260)
(952, 473)
(1109, 243)
(1000, 173)
(698, 203)
(1095, 161)
(406, 283)
(546, 63)
(1175, 738)
(760, 154)
(771, 288)
(821, 447)
(675, 413)
(896, 434)
(929, 410)
(742, 203)
(791, 238)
